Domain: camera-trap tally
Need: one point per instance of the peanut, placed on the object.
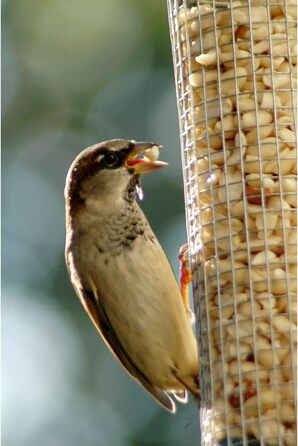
(241, 78)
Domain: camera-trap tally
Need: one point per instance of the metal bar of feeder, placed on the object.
(241, 209)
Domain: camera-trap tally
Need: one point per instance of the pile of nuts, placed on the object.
(239, 79)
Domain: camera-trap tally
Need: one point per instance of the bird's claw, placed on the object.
(183, 251)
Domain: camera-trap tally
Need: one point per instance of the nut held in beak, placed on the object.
(144, 158)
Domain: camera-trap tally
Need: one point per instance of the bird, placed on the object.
(121, 273)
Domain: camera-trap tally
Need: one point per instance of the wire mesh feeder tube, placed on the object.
(235, 71)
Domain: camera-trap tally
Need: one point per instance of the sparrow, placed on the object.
(122, 275)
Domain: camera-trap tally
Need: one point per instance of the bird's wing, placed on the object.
(91, 302)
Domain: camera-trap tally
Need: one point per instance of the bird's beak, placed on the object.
(144, 158)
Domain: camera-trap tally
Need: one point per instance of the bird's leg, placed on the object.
(185, 280)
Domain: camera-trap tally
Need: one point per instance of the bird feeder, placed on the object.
(235, 72)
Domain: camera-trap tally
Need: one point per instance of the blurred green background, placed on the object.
(76, 73)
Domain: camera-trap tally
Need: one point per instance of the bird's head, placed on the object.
(110, 170)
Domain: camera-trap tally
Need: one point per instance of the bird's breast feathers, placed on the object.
(140, 295)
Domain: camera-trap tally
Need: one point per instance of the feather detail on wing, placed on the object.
(91, 303)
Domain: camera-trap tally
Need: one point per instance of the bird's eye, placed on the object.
(110, 159)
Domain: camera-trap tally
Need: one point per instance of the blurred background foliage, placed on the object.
(75, 73)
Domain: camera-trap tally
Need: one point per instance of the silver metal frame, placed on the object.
(181, 39)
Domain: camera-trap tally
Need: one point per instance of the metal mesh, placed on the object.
(235, 71)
